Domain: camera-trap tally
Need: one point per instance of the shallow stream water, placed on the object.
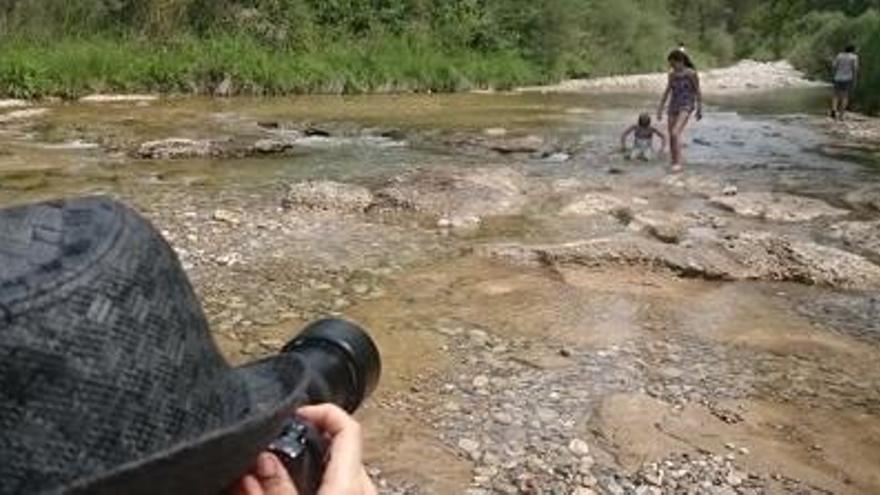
(622, 350)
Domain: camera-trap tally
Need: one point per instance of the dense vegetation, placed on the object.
(280, 46)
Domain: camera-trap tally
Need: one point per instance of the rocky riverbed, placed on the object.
(552, 318)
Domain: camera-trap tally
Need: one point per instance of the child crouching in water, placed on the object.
(643, 139)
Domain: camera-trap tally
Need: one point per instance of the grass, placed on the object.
(73, 67)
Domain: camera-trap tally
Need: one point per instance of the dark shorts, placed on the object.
(843, 87)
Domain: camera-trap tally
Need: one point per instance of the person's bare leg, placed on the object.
(844, 105)
(673, 152)
(681, 121)
(834, 105)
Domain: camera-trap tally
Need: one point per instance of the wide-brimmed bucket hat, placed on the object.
(109, 379)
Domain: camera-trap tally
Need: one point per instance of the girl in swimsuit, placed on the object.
(684, 97)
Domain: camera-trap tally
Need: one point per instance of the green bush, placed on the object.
(868, 89)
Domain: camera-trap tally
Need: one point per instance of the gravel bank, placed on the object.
(742, 77)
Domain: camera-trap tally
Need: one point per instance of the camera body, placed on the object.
(341, 365)
(303, 450)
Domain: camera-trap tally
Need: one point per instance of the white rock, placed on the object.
(579, 447)
(495, 131)
(226, 216)
(471, 447)
(734, 478)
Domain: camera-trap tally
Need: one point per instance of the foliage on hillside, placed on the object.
(275, 46)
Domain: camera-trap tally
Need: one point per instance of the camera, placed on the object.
(341, 365)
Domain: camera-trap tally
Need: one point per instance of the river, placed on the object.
(517, 359)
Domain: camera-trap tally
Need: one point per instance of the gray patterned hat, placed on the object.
(109, 379)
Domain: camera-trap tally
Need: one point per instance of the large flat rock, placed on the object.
(746, 256)
(455, 193)
(777, 207)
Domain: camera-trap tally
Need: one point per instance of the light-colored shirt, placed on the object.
(845, 67)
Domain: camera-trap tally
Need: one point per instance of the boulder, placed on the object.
(182, 148)
(270, 146)
(328, 196)
(778, 207)
(177, 148)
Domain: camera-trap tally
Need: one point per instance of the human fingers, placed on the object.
(272, 476)
(368, 487)
(330, 419)
(248, 485)
(345, 470)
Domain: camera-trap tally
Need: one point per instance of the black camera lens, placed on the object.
(344, 356)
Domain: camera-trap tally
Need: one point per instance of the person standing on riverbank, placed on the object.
(845, 72)
(685, 98)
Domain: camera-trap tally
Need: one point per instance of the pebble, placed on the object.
(579, 447)
(481, 381)
(471, 447)
(588, 480)
(734, 479)
(226, 216)
(502, 418)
